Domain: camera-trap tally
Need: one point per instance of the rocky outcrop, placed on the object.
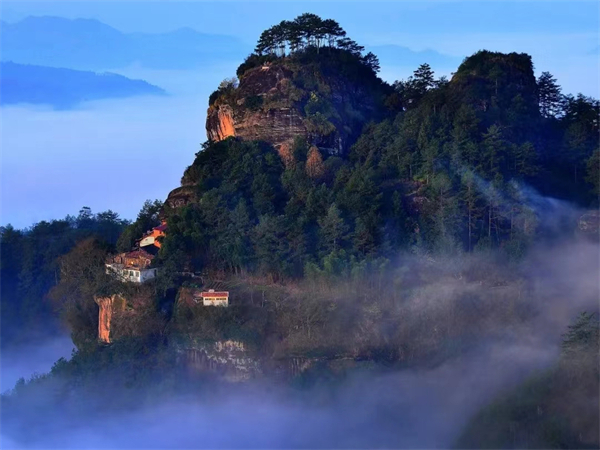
(229, 359)
(497, 80)
(276, 126)
(181, 196)
(219, 123)
(270, 104)
(589, 224)
(107, 307)
(120, 316)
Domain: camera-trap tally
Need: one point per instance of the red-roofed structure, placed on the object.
(212, 298)
(151, 238)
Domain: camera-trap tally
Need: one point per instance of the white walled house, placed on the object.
(132, 266)
(131, 274)
(212, 298)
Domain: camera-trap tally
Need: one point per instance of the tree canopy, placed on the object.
(310, 31)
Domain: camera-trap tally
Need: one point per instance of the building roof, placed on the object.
(141, 253)
(215, 294)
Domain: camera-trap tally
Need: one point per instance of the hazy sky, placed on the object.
(115, 154)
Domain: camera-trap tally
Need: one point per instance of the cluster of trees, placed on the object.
(557, 408)
(29, 266)
(450, 169)
(309, 31)
(147, 218)
(446, 170)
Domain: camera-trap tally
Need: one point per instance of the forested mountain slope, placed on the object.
(364, 231)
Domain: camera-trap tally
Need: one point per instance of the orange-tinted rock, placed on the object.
(269, 105)
(219, 123)
(107, 307)
(275, 126)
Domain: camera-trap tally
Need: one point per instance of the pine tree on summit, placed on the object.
(305, 31)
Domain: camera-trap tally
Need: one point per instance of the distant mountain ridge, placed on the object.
(390, 55)
(65, 88)
(89, 44)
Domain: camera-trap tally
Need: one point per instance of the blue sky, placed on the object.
(55, 162)
(561, 36)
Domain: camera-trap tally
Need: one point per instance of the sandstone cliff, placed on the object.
(290, 98)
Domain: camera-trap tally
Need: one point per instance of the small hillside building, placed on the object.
(213, 298)
(151, 238)
(132, 266)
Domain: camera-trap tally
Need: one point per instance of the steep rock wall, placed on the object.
(219, 123)
(230, 359)
(270, 104)
(108, 306)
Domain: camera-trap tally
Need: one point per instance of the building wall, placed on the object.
(151, 239)
(148, 240)
(132, 275)
(215, 301)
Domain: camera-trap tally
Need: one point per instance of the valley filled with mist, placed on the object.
(343, 246)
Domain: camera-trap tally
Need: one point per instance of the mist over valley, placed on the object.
(298, 240)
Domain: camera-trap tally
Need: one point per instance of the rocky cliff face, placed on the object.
(219, 123)
(108, 306)
(276, 126)
(279, 102)
(259, 109)
(229, 359)
(181, 196)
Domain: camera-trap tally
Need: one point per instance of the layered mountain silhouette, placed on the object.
(65, 88)
(92, 45)
(89, 44)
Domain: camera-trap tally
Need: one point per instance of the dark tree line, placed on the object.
(306, 31)
(447, 171)
(29, 265)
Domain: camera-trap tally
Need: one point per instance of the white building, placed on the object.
(131, 274)
(212, 298)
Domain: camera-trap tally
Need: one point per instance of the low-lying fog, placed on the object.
(25, 360)
(109, 154)
(411, 408)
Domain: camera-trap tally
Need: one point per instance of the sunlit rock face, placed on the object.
(219, 123)
(107, 307)
(270, 105)
(259, 109)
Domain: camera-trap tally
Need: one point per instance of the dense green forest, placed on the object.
(410, 249)
(30, 263)
(456, 165)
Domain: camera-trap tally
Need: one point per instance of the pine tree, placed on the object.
(550, 97)
(333, 229)
(593, 173)
(493, 147)
(423, 78)
(470, 200)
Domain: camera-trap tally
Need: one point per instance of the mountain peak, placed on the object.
(304, 80)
